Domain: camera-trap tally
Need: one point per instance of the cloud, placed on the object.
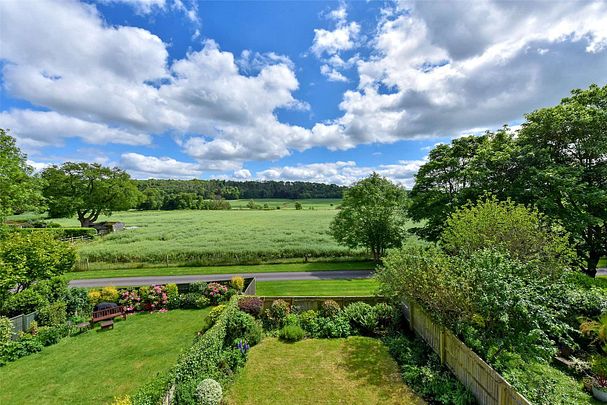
(242, 174)
(142, 166)
(343, 173)
(332, 74)
(141, 6)
(35, 129)
(439, 71)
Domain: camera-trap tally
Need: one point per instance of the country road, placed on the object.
(287, 276)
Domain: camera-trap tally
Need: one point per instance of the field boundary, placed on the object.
(314, 302)
(486, 384)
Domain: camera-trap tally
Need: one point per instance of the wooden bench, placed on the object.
(107, 324)
(108, 314)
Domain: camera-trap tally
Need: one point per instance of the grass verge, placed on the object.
(356, 370)
(187, 271)
(346, 287)
(94, 367)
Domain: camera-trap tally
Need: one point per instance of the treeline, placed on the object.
(212, 194)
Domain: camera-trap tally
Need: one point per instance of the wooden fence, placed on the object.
(22, 323)
(487, 386)
(309, 302)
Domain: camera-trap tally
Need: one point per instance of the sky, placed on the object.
(298, 90)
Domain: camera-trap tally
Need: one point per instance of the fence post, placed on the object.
(442, 345)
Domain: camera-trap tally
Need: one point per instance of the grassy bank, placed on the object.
(357, 370)
(353, 287)
(94, 367)
(184, 271)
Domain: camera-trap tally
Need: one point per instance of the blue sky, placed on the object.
(299, 90)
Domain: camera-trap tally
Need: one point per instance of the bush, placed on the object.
(125, 400)
(54, 289)
(106, 294)
(237, 283)
(209, 392)
(193, 301)
(336, 327)
(154, 297)
(53, 314)
(329, 308)
(362, 318)
(172, 293)
(77, 302)
(216, 313)
(251, 305)
(24, 302)
(6, 330)
(291, 333)
(276, 315)
(421, 370)
(49, 335)
(308, 321)
(243, 326)
(388, 317)
(198, 287)
(14, 350)
(216, 293)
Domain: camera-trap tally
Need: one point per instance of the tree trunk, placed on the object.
(86, 222)
(376, 255)
(593, 261)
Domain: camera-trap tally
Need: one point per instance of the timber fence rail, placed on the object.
(487, 386)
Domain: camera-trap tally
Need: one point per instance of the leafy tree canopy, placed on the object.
(87, 190)
(372, 215)
(19, 191)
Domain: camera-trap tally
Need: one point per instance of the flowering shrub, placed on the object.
(209, 392)
(237, 283)
(329, 309)
(251, 305)
(154, 297)
(106, 294)
(130, 300)
(216, 292)
(276, 315)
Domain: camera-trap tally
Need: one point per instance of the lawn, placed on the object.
(356, 370)
(603, 262)
(183, 271)
(348, 287)
(94, 367)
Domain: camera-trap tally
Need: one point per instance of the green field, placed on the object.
(347, 287)
(273, 203)
(94, 367)
(603, 262)
(236, 269)
(215, 237)
(356, 370)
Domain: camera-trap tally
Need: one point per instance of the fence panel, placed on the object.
(22, 322)
(487, 386)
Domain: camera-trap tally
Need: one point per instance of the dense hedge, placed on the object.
(202, 360)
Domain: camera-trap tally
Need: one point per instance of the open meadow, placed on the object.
(216, 237)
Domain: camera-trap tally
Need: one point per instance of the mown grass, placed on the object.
(273, 203)
(356, 370)
(215, 237)
(346, 287)
(603, 262)
(94, 367)
(183, 271)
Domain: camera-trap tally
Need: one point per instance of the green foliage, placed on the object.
(362, 318)
(329, 309)
(388, 317)
(422, 371)
(49, 335)
(209, 392)
(494, 302)
(372, 216)
(243, 326)
(298, 205)
(54, 314)
(308, 320)
(87, 190)
(337, 327)
(28, 258)
(523, 233)
(237, 283)
(198, 287)
(61, 233)
(216, 312)
(24, 302)
(6, 330)
(16, 349)
(19, 191)
(291, 333)
(276, 315)
(544, 385)
(191, 301)
(596, 329)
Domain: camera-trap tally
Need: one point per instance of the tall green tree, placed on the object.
(459, 172)
(87, 190)
(564, 168)
(372, 215)
(19, 190)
